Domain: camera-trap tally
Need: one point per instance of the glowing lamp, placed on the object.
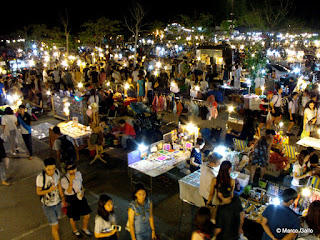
(190, 127)
(281, 124)
(276, 201)
(80, 85)
(142, 147)
(230, 109)
(126, 86)
(197, 88)
(306, 192)
(220, 150)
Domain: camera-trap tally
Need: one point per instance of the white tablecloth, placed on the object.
(310, 142)
(189, 189)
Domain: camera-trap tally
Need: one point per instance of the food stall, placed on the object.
(76, 132)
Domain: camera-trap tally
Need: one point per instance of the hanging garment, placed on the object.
(174, 110)
(179, 108)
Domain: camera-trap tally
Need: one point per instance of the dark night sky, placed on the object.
(14, 14)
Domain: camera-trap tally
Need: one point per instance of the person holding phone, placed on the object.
(140, 215)
(105, 220)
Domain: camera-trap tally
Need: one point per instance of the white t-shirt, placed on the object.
(293, 106)
(77, 183)
(206, 176)
(103, 226)
(135, 76)
(277, 100)
(52, 198)
(10, 122)
(45, 76)
(297, 168)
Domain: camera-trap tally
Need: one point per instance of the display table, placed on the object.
(310, 142)
(155, 164)
(189, 189)
(78, 135)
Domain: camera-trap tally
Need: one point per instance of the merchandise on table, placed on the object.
(77, 132)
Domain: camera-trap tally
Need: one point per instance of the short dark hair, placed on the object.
(49, 161)
(122, 121)
(289, 194)
(56, 130)
(214, 157)
(8, 111)
(200, 141)
(22, 106)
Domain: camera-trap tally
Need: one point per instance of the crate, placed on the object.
(243, 179)
(272, 170)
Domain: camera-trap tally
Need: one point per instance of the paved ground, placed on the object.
(21, 216)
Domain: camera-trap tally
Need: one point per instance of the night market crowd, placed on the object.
(223, 215)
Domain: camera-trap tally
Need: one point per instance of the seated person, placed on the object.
(299, 173)
(125, 131)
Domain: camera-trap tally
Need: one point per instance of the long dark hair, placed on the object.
(202, 220)
(224, 175)
(313, 217)
(302, 156)
(102, 212)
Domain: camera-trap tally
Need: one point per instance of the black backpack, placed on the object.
(67, 150)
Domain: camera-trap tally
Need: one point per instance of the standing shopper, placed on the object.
(310, 118)
(50, 191)
(77, 203)
(276, 219)
(10, 121)
(3, 155)
(140, 215)
(105, 219)
(24, 121)
(196, 155)
(261, 154)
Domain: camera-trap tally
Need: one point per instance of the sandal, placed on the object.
(30, 158)
(87, 232)
(4, 183)
(77, 234)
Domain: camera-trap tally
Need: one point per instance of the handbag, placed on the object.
(304, 134)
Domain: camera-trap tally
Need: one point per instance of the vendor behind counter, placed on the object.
(125, 131)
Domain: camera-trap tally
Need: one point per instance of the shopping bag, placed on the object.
(269, 118)
(304, 134)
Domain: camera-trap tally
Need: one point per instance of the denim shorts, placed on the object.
(53, 213)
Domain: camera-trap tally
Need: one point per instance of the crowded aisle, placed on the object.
(189, 129)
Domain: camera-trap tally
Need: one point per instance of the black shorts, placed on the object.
(294, 118)
(277, 112)
(76, 207)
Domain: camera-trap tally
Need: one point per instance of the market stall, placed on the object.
(162, 156)
(189, 185)
(65, 107)
(77, 133)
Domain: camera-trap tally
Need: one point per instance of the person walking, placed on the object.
(140, 215)
(276, 104)
(24, 121)
(105, 219)
(49, 189)
(310, 118)
(10, 121)
(77, 203)
(56, 78)
(3, 156)
(261, 154)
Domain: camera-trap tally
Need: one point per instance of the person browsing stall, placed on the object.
(276, 104)
(299, 170)
(209, 170)
(126, 132)
(275, 218)
(204, 228)
(24, 121)
(196, 155)
(261, 153)
(230, 215)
